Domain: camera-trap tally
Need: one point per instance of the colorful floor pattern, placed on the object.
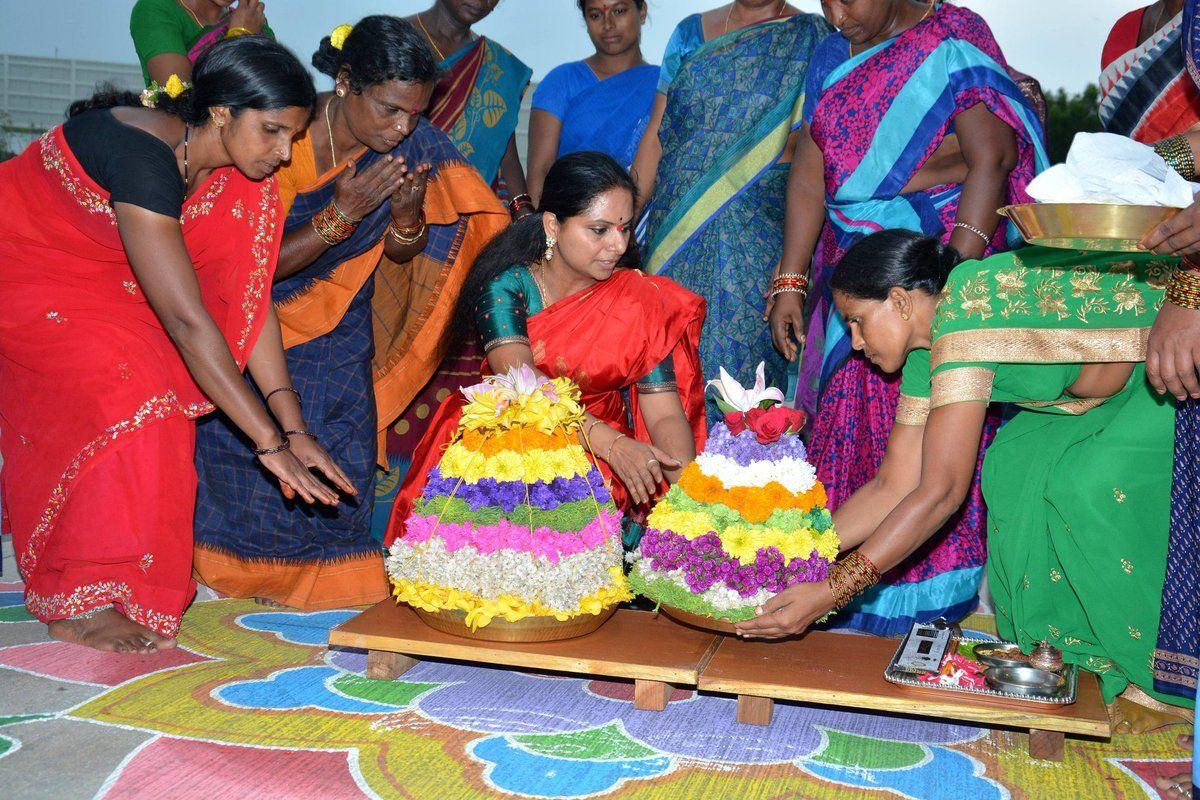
(252, 705)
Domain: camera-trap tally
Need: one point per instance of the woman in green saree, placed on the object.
(1077, 483)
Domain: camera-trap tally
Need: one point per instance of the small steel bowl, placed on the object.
(1000, 654)
(1025, 680)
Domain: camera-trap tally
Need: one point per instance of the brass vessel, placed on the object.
(529, 629)
(698, 620)
(1087, 226)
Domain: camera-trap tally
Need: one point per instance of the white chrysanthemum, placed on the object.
(718, 595)
(795, 474)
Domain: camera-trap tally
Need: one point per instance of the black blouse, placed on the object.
(132, 165)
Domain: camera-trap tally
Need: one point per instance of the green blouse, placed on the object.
(164, 26)
(1017, 328)
(512, 297)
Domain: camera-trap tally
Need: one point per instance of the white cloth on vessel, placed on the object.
(1112, 169)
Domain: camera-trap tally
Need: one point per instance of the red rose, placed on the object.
(770, 424)
(736, 422)
(798, 420)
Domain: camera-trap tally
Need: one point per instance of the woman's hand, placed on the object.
(790, 612)
(408, 198)
(295, 479)
(1173, 353)
(1179, 235)
(357, 195)
(310, 453)
(249, 14)
(787, 324)
(640, 467)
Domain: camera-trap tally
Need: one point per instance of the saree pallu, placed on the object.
(715, 223)
(1077, 488)
(611, 115)
(878, 117)
(605, 339)
(1145, 91)
(478, 101)
(95, 402)
(1178, 654)
(363, 335)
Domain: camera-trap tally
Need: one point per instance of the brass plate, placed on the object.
(1086, 226)
(698, 620)
(530, 629)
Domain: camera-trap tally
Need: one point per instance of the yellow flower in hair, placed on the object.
(174, 86)
(337, 36)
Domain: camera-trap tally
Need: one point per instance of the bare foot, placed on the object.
(1177, 787)
(1129, 717)
(110, 631)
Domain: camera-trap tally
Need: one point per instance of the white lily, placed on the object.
(738, 398)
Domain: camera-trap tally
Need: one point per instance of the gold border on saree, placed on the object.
(1040, 346)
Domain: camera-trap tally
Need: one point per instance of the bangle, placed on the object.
(587, 435)
(974, 230)
(301, 432)
(273, 392)
(611, 444)
(332, 225)
(1178, 154)
(519, 203)
(850, 576)
(238, 30)
(1183, 290)
(800, 290)
(270, 451)
(410, 235)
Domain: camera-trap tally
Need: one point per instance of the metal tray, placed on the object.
(894, 675)
(1086, 226)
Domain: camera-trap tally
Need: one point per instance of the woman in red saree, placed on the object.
(557, 291)
(135, 267)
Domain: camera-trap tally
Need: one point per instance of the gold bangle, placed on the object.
(612, 444)
(1176, 151)
(851, 576)
(238, 30)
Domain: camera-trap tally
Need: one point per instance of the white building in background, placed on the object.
(35, 91)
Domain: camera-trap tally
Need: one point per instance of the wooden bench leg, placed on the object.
(753, 710)
(388, 666)
(650, 695)
(1047, 745)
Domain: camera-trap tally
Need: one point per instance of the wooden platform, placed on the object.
(647, 648)
(846, 671)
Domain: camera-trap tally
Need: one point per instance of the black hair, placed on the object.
(571, 186)
(583, 5)
(245, 72)
(912, 261)
(379, 48)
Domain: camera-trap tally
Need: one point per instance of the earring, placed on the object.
(905, 315)
(217, 122)
(341, 92)
(551, 243)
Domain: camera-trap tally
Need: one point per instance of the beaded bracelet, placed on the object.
(274, 392)
(1184, 289)
(1178, 154)
(301, 432)
(974, 230)
(800, 290)
(270, 451)
(851, 576)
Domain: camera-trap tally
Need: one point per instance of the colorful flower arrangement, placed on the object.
(515, 520)
(747, 518)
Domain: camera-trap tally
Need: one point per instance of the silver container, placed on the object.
(1000, 654)
(1026, 681)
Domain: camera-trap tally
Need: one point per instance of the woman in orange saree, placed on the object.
(556, 292)
(114, 337)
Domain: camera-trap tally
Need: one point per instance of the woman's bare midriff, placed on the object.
(945, 165)
(1101, 380)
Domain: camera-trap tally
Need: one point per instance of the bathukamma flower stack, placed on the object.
(747, 518)
(515, 520)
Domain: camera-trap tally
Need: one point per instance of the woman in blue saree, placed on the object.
(601, 103)
(911, 120)
(384, 219)
(714, 163)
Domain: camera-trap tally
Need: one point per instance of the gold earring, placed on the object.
(904, 315)
(551, 243)
(341, 92)
(217, 122)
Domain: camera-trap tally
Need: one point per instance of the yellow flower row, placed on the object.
(530, 466)
(429, 597)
